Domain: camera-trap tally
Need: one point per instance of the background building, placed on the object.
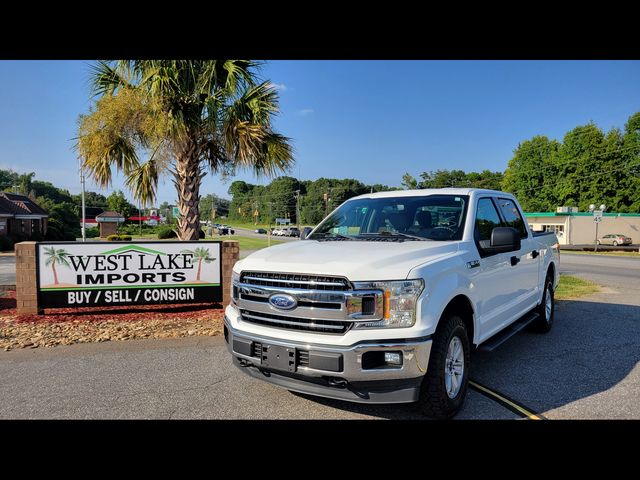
(19, 214)
(575, 228)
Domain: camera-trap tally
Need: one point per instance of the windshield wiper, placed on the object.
(335, 235)
(397, 234)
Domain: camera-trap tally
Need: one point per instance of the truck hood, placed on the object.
(356, 260)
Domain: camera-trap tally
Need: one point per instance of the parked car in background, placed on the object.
(292, 232)
(615, 240)
(278, 231)
(259, 230)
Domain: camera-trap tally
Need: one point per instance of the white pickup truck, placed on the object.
(384, 301)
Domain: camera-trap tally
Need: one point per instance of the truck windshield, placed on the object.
(431, 217)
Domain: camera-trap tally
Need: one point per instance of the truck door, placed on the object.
(526, 274)
(503, 285)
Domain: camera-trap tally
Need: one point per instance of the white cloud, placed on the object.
(307, 111)
(278, 87)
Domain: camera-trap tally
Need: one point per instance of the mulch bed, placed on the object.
(64, 326)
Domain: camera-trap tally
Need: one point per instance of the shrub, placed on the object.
(53, 234)
(37, 237)
(166, 232)
(113, 238)
(92, 232)
(125, 238)
(6, 243)
(20, 237)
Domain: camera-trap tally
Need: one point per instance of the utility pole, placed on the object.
(298, 208)
(255, 212)
(84, 226)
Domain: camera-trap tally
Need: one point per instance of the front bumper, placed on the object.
(357, 373)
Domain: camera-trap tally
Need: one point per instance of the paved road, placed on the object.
(623, 272)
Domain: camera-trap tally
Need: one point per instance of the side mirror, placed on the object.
(504, 239)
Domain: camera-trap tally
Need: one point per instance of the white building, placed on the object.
(575, 228)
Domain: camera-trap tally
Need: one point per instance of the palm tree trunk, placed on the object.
(55, 275)
(188, 177)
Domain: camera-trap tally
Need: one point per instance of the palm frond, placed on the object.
(143, 181)
(120, 153)
(103, 79)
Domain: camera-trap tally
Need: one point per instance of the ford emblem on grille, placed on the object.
(282, 301)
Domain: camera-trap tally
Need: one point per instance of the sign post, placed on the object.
(597, 219)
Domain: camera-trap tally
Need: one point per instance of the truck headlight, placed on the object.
(400, 299)
(235, 278)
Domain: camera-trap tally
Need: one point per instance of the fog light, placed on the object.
(392, 358)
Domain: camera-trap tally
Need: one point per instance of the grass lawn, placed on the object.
(248, 243)
(570, 288)
(613, 254)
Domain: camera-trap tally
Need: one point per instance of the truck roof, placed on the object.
(430, 191)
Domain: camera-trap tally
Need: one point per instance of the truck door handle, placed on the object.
(514, 261)
(534, 254)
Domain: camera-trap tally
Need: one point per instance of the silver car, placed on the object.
(615, 240)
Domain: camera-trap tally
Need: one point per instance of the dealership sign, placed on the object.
(87, 274)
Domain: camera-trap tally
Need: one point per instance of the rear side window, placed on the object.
(512, 216)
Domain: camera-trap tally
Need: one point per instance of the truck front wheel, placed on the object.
(445, 384)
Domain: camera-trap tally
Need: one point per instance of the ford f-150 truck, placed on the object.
(386, 299)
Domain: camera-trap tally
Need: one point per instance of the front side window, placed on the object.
(487, 218)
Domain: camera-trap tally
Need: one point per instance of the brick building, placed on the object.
(19, 214)
(108, 222)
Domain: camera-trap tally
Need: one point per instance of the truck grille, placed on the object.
(294, 323)
(296, 281)
(314, 303)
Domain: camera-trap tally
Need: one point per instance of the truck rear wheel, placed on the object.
(445, 384)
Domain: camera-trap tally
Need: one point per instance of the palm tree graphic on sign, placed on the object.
(200, 255)
(54, 256)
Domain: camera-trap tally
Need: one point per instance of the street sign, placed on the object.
(175, 212)
(597, 216)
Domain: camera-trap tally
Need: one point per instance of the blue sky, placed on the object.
(371, 120)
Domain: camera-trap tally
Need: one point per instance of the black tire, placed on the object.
(444, 387)
(545, 310)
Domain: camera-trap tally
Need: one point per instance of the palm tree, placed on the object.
(54, 256)
(201, 255)
(203, 114)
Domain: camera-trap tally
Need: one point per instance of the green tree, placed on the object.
(532, 172)
(212, 202)
(117, 202)
(204, 114)
(65, 216)
(442, 179)
(630, 179)
(409, 182)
